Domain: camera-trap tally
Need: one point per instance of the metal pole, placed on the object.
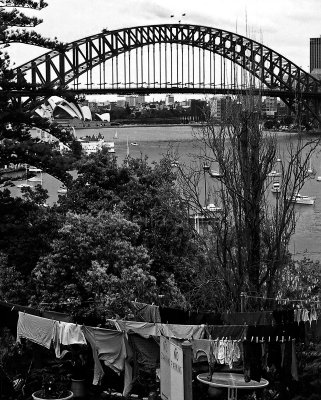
(243, 294)
(187, 369)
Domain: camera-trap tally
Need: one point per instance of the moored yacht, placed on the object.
(302, 199)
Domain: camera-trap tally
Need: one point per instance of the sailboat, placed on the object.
(310, 169)
(116, 135)
(319, 178)
(36, 178)
(26, 184)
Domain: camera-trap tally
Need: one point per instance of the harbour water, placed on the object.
(155, 142)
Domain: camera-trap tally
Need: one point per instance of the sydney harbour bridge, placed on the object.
(170, 58)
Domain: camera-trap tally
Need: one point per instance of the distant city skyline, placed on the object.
(286, 26)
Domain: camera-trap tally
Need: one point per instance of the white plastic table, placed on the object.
(231, 381)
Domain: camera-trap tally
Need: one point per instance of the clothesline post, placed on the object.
(187, 368)
(243, 294)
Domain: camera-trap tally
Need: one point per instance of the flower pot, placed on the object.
(78, 388)
(37, 396)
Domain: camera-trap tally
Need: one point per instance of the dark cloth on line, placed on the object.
(145, 353)
(58, 316)
(146, 312)
(199, 318)
(234, 332)
(252, 361)
(274, 355)
(248, 318)
(173, 316)
(283, 316)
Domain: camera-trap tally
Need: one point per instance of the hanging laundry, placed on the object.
(201, 347)
(248, 318)
(252, 361)
(199, 318)
(67, 334)
(146, 312)
(37, 329)
(173, 315)
(294, 365)
(58, 316)
(145, 329)
(181, 331)
(146, 356)
(234, 332)
(110, 347)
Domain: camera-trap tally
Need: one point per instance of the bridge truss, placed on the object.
(172, 58)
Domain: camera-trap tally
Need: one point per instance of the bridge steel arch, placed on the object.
(276, 72)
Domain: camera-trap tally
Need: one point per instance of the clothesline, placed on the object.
(280, 299)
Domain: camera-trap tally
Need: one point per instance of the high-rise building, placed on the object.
(315, 54)
(169, 100)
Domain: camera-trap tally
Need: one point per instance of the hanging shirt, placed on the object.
(67, 334)
(37, 329)
(181, 331)
(144, 329)
(111, 348)
(146, 312)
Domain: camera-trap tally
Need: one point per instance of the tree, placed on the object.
(95, 267)
(27, 228)
(248, 242)
(16, 114)
(146, 195)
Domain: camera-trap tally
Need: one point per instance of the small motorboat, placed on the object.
(215, 174)
(23, 185)
(134, 144)
(35, 179)
(276, 187)
(212, 208)
(274, 173)
(62, 189)
(301, 199)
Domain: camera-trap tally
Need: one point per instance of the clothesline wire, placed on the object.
(280, 299)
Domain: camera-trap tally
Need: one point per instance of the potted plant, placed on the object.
(53, 388)
(78, 371)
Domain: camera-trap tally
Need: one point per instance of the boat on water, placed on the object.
(62, 189)
(23, 185)
(319, 178)
(276, 187)
(302, 199)
(212, 207)
(116, 135)
(273, 174)
(134, 144)
(35, 179)
(310, 169)
(215, 174)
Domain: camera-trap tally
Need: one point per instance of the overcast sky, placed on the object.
(284, 25)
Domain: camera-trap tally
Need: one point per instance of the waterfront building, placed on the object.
(270, 106)
(46, 137)
(169, 100)
(92, 145)
(131, 100)
(218, 107)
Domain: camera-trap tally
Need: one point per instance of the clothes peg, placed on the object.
(282, 339)
(277, 339)
(262, 338)
(269, 339)
(252, 339)
(257, 339)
